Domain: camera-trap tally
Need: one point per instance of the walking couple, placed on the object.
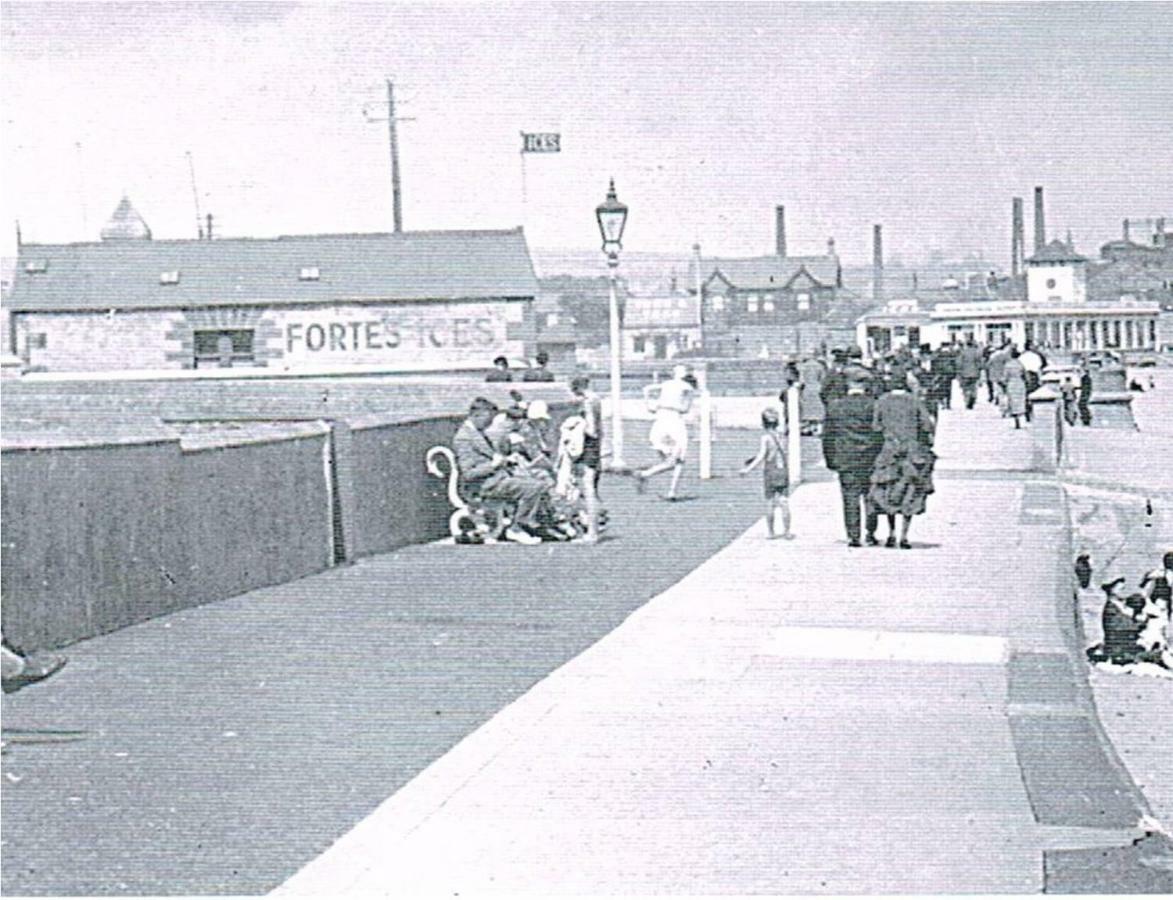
(882, 451)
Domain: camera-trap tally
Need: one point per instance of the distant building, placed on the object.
(661, 326)
(429, 300)
(1070, 303)
(771, 305)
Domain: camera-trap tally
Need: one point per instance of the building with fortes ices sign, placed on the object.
(414, 301)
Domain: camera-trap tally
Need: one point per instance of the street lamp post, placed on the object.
(612, 216)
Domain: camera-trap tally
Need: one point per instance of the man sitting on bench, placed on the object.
(487, 474)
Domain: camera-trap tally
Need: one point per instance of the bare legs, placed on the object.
(591, 491)
(677, 467)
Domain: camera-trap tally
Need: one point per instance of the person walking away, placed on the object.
(835, 383)
(1014, 378)
(1033, 364)
(850, 447)
(1085, 394)
(771, 456)
(997, 366)
(670, 401)
(901, 478)
(969, 370)
(811, 406)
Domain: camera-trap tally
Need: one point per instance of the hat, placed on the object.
(480, 403)
(515, 412)
(769, 417)
(538, 409)
(679, 371)
(855, 352)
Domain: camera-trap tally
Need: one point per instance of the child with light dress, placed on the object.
(771, 456)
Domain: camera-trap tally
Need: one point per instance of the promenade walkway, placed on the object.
(796, 717)
(781, 717)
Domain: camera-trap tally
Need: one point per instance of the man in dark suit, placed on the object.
(850, 447)
(491, 474)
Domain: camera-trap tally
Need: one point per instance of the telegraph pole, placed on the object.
(394, 136)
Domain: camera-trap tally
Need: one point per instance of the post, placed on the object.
(706, 424)
(617, 461)
(794, 435)
(397, 212)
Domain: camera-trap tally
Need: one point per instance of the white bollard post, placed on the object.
(794, 435)
(706, 436)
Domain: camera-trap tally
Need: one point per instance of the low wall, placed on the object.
(99, 537)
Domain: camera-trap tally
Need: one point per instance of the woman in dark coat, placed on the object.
(902, 476)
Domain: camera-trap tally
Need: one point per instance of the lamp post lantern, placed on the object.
(612, 217)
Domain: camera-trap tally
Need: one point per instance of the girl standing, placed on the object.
(771, 456)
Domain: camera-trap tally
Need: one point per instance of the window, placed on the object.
(36, 266)
(751, 304)
(551, 319)
(718, 303)
(804, 301)
(309, 273)
(767, 304)
(171, 277)
(38, 340)
(639, 343)
(223, 348)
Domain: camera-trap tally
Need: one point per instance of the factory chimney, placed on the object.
(1017, 238)
(877, 264)
(780, 230)
(1127, 237)
(1040, 222)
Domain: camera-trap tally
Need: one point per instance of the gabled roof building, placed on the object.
(331, 302)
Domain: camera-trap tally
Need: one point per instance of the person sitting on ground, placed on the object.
(492, 475)
(1129, 635)
(539, 372)
(18, 670)
(500, 370)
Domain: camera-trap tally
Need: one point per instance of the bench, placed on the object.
(474, 520)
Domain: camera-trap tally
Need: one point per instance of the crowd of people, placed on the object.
(544, 484)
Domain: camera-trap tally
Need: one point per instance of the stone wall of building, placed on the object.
(335, 337)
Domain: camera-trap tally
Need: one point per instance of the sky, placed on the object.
(926, 118)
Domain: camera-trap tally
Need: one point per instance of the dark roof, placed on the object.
(414, 265)
(765, 272)
(126, 224)
(1057, 251)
